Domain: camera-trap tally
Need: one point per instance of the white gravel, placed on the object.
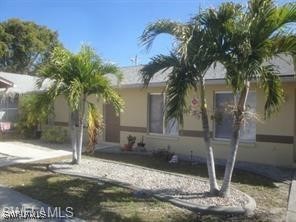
(185, 188)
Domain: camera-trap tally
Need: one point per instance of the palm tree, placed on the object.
(76, 76)
(246, 39)
(188, 63)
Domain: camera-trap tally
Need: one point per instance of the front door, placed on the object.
(112, 124)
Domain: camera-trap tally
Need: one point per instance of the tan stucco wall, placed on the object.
(135, 115)
(135, 111)
(61, 110)
(280, 124)
(62, 113)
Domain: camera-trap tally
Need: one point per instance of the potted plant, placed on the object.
(141, 145)
(131, 140)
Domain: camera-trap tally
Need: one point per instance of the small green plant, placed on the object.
(95, 126)
(141, 143)
(131, 140)
(34, 111)
(54, 134)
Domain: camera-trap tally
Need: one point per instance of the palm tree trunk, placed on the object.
(207, 140)
(238, 120)
(73, 132)
(81, 122)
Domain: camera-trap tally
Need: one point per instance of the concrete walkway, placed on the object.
(291, 213)
(11, 201)
(14, 152)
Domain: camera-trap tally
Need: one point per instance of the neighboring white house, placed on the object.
(11, 87)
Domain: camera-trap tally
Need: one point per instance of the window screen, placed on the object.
(224, 117)
(156, 114)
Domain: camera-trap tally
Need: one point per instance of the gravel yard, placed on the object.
(186, 188)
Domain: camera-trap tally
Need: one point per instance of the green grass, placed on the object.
(95, 201)
(90, 200)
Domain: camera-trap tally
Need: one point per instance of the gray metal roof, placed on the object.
(4, 83)
(132, 78)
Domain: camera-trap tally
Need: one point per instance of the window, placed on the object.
(224, 118)
(8, 109)
(157, 117)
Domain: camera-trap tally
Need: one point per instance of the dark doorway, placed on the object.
(112, 124)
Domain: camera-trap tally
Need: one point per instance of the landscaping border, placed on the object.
(248, 209)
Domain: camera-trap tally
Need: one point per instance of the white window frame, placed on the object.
(214, 122)
(164, 133)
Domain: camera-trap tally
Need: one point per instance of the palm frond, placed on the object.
(267, 19)
(164, 26)
(95, 126)
(108, 68)
(271, 84)
(88, 55)
(179, 82)
(180, 79)
(111, 96)
(234, 77)
(111, 69)
(159, 63)
(58, 60)
(75, 94)
(39, 82)
(35, 109)
(286, 14)
(97, 85)
(281, 43)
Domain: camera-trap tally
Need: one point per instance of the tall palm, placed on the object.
(76, 76)
(247, 39)
(188, 64)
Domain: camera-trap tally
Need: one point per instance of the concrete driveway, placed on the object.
(13, 203)
(13, 152)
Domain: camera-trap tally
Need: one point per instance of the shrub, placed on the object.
(26, 131)
(54, 134)
(95, 126)
(34, 111)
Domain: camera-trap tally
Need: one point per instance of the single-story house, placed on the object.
(271, 141)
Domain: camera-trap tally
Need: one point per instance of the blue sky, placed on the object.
(111, 27)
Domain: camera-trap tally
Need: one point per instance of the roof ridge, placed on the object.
(132, 66)
(11, 73)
